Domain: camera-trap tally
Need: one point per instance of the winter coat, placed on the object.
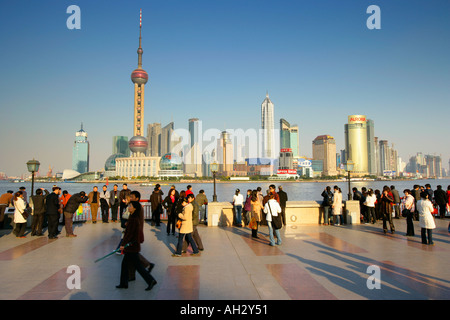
(386, 203)
(186, 217)
(425, 208)
(327, 198)
(337, 204)
(20, 206)
(256, 210)
(133, 233)
(52, 204)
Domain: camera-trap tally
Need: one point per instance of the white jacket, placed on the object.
(425, 208)
(272, 208)
(20, 206)
(337, 203)
(370, 200)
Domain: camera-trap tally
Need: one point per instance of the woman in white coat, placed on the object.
(21, 223)
(337, 206)
(426, 220)
(273, 216)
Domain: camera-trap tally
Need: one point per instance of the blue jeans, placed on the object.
(238, 212)
(189, 239)
(277, 233)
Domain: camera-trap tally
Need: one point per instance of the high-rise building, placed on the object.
(324, 148)
(138, 144)
(166, 138)
(120, 145)
(193, 156)
(356, 144)
(138, 165)
(80, 152)
(154, 140)
(285, 134)
(268, 130)
(225, 156)
(371, 152)
(289, 137)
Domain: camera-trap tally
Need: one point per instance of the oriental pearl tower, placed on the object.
(138, 144)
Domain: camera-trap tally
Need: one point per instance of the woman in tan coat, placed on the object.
(256, 212)
(186, 228)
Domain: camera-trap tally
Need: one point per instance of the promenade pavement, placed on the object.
(314, 262)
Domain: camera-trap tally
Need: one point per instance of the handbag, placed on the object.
(178, 224)
(26, 212)
(276, 220)
(405, 213)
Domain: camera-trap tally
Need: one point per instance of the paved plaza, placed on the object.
(314, 262)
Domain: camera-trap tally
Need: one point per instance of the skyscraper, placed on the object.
(371, 156)
(193, 158)
(324, 148)
(138, 144)
(80, 152)
(154, 139)
(268, 131)
(356, 144)
(225, 155)
(120, 145)
(289, 137)
(166, 139)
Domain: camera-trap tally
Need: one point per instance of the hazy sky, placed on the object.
(215, 60)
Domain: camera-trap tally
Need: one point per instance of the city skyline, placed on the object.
(320, 63)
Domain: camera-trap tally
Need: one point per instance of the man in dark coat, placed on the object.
(440, 197)
(283, 199)
(72, 205)
(156, 202)
(37, 202)
(52, 210)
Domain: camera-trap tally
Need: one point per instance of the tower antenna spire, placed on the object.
(140, 51)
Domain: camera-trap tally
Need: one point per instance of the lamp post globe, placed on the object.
(33, 166)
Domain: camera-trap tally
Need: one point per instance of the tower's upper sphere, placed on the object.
(138, 144)
(139, 76)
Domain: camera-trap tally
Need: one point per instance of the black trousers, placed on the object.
(132, 258)
(36, 224)
(171, 221)
(105, 212)
(53, 220)
(114, 211)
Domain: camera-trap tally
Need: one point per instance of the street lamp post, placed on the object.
(33, 166)
(214, 169)
(349, 167)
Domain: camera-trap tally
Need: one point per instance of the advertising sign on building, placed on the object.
(304, 163)
(286, 171)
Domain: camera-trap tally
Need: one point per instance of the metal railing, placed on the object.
(87, 214)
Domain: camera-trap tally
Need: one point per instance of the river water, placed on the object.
(297, 191)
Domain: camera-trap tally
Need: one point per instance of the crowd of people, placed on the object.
(185, 211)
(420, 203)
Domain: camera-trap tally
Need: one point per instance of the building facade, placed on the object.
(268, 129)
(80, 152)
(324, 148)
(356, 144)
